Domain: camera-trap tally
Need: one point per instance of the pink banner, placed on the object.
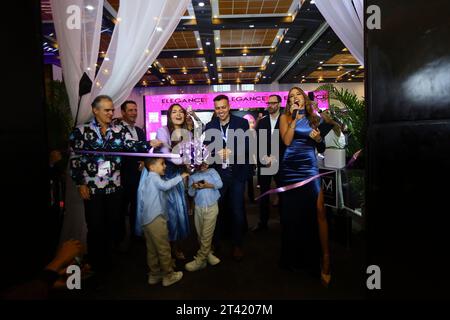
(154, 105)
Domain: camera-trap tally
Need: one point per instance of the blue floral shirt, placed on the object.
(101, 173)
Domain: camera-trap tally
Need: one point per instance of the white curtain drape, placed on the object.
(143, 27)
(77, 26)
(142, 30)
(346, 18)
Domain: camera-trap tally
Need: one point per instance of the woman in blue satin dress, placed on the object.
(177, 209)
(303, 215)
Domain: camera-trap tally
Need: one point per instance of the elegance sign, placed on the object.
(154, 105)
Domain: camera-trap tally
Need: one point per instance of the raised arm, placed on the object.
(287, 129)
(165, 185)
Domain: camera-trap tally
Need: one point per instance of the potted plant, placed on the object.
(348, 109)
(59, 117)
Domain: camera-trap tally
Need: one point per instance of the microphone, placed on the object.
(294, 113)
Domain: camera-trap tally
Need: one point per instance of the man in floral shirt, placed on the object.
(98, 178)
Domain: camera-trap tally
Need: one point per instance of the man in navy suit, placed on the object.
(233, 173)
(270, 124)
(130, 173)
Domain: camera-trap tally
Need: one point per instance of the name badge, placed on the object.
(104, 168)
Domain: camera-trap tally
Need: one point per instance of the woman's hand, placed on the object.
(298, 116)
(315, 135)
(156, 143)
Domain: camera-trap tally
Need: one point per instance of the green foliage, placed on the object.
(59, 116)
(351, 112)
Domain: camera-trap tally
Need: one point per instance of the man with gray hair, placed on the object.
(98, 178)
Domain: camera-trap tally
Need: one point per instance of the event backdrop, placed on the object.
(155, 104)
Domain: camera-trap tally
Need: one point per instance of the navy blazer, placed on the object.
(239, 171)
(129, 172)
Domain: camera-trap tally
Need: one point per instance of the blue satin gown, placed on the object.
(177, 210)
(300, 237)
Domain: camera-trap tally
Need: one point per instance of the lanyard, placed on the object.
(224, 137)
(225, 134)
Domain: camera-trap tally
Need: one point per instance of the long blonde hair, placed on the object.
(313, 119)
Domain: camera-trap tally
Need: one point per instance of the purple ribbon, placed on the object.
(131, 154)
(302, 183)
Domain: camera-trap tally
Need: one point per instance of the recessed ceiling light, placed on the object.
(208, 43)
(302, 41)
(214, 78)
(321, 62)
(264, 77)
(175, 57)
(201, 4)
(244, 54)
(303, 76)
(211, 64)
(251, 26)
(273, 62)
(288, 41)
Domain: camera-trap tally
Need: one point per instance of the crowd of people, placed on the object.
(157, 193)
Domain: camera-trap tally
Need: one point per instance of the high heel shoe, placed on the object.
(325, 278)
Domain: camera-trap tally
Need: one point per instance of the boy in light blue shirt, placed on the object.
(204, 187)
(151, 218)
